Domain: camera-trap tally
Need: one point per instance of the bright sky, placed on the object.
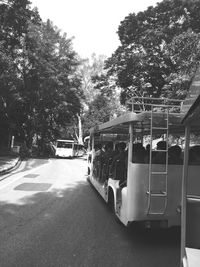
(92, 23)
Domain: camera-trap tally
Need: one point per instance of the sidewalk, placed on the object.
(8, 163)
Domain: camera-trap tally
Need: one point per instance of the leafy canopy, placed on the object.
(159, 50)
(39, 89)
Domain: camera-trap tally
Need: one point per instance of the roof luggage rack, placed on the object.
(141, 104)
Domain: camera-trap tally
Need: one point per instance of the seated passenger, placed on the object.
(161, 145)
(194, 155)
(106, 160)
(121, 156)
(174, 154)
(121, 151)
(138, 153)
(108, 151)
(121, 163)
(116, 150)
(147, 153)
(147, 148)
(98, 157)
(99, 150)
(160, 156)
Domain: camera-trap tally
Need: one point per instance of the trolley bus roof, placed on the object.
(141, 121)
(193, 115)
(191, 105)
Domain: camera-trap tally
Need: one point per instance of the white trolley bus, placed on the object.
(138, 190)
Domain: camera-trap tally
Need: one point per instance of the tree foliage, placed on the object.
(14, 18)
(89, 69)
(101, 94)
(159, 50)
(99, 112)
(53, 90)
(39, 89)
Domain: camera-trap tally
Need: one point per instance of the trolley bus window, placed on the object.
(194, 155)
(160, 154)
(139, 153)
(175, 153)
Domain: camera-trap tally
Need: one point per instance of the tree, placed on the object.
(51, 90)
(99, 111)
(184, 51)
(98, 87)
(15, 16)
(87, 71)
(151, 42)
(39, 90)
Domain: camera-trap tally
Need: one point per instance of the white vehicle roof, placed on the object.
(66, 141)
(141, 121)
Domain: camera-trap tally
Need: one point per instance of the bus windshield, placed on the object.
(62, 144)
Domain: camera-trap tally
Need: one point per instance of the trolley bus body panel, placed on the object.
(138, 187)
(134, 197)
(138, 194)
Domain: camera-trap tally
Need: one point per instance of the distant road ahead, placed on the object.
(50, 216)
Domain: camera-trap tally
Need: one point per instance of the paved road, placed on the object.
(50, 216)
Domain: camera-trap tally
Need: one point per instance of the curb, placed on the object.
(9, 169)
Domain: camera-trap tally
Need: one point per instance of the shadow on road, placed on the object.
(73, 227)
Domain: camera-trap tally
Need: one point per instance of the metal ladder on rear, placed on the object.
(158, 179)
(157, 192)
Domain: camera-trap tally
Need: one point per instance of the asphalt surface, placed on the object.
(51, 216)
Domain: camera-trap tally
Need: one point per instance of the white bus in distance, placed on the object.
(68, 149)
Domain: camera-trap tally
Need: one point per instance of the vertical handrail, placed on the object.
(150, 161)
(167, 147)
(184, 192)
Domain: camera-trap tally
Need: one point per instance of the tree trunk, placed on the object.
(80, 132)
